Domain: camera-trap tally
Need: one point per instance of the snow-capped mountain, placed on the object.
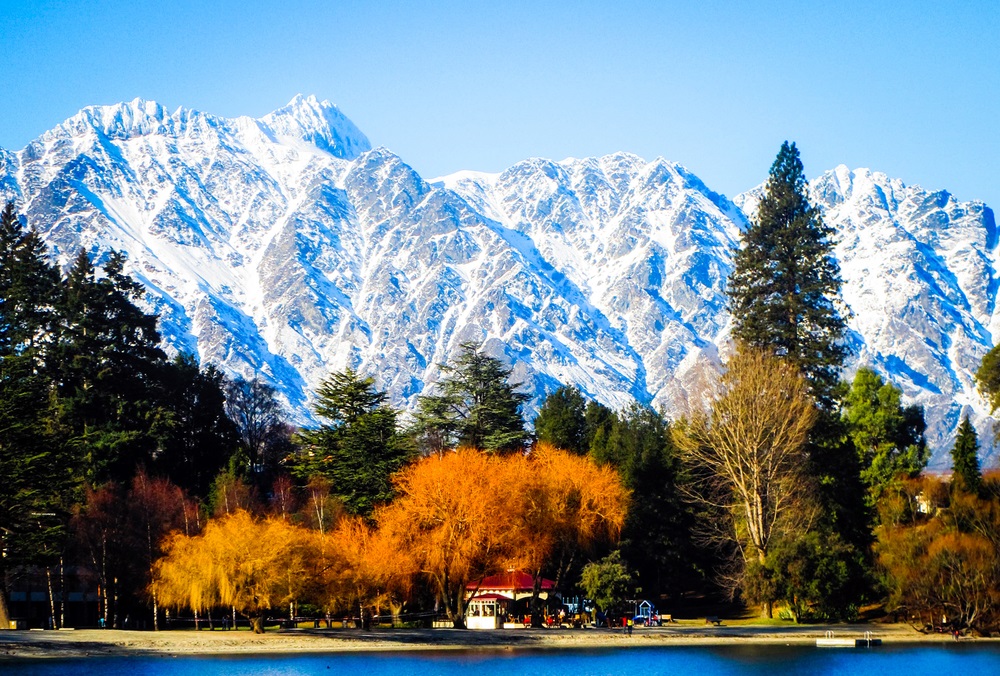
(286, 247)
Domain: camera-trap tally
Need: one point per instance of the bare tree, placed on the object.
(746, 451)
(255, 411)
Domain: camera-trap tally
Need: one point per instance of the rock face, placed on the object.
(286, 247)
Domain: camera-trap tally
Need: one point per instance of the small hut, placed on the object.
(487, 611)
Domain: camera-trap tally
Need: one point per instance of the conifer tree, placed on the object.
(36, 463)
(786, 282)
(477, 407)
(965, 457)
(359, 448)
(110, 369)
(889, 437)
(562, 421)
(28, 287)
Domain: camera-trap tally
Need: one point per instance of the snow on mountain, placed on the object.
(286, 247)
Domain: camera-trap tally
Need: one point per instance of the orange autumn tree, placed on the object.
(464, 516)
(456, 515)
(238, 561)
(567, 504)
(363, 568)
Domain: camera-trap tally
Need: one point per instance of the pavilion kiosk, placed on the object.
(486, 611)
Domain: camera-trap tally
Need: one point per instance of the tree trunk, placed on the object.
(257, 624)
(4, 611)
(156, 612)
(52, 599)
(62, 593)
(537, 616)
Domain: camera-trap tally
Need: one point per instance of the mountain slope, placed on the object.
(285, 246)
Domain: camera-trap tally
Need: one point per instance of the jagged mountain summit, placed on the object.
(286, 247)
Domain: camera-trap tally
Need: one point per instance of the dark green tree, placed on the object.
(29, 286)
(988, 378)
(198, 438)
(359, 448)
(786, 282)
(110, 370)
(656, 540)
(814, 573)
(599, 420)
(608, 582)
(37, 467)
(562, 421)
(889, 437)
(965, 458)
(477, 407)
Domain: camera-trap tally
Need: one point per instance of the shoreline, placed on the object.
(20, 645)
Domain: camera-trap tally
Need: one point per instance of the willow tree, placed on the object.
(746, 452)
(363, 568)
(455, 513)
(238, 562)
(567, 505)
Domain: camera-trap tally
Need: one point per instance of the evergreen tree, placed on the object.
(786, 282)
(477, 407)
(889, 437)
(599, 420)
(198, 438)
(37, 466)
(29, 286)
(562, 421)
(656, 538)
(988, 377)
(965, 458)
(110, 370)
(359, 448)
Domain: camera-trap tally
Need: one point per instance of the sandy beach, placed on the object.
(97, 642)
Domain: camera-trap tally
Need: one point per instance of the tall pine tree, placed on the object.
(965, 458)
(477, 407)
(36, 463)
(359, 448)
(786, 282)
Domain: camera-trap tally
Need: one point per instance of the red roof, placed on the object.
(514, 580)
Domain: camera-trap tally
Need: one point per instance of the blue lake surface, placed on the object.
(914, 660)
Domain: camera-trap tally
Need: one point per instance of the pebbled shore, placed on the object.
(97, 642)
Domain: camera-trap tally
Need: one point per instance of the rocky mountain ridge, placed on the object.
(286, 247)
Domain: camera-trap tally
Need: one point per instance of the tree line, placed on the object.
(781, 487)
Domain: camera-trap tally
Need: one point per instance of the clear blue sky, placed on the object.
(911, 88)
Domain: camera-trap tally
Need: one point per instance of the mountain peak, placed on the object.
(119, 120)
(320, 123)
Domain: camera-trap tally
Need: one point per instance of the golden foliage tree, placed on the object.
(943, 563)
(362, 568)
(466, 515)
(456, 514)
(238, 561)
(567, 504)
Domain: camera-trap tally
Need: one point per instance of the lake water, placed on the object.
(978, 660)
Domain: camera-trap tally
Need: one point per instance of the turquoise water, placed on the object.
(978, 660)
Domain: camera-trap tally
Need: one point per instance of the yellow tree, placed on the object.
(365, 568)
(456, 514)
(238, 561)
